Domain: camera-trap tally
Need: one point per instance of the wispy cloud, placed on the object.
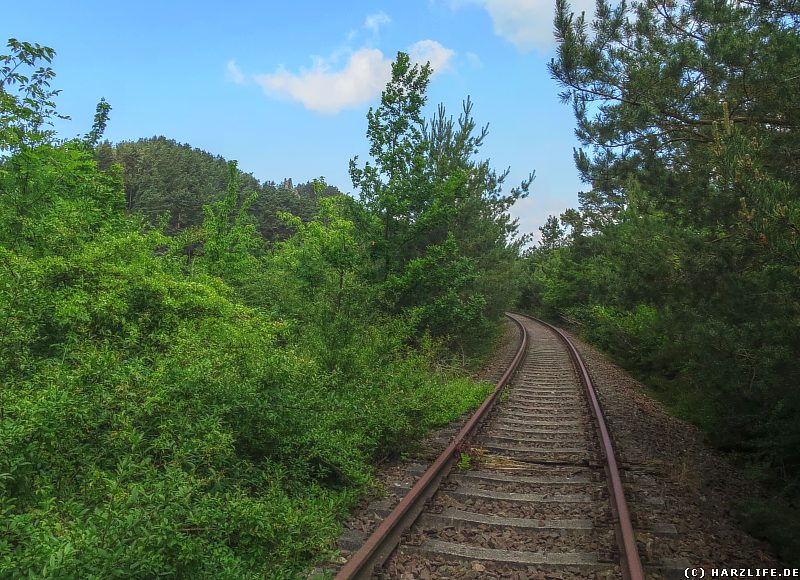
(431, 51)
(373, 22)
(328, 90)
(527, 24)
(533, 211)
(234, 74)
(474, 60)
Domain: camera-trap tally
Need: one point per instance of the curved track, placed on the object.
(536, 491)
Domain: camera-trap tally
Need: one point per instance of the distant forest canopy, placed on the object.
(163, 177)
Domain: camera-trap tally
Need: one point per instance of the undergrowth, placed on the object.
(154, 422)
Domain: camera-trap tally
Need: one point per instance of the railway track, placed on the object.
(529, 488)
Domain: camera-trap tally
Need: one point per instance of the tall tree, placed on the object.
(102, 111)
(658, 82)
(26, 100)
(685, 260)
(552, 234)
(394, 131)
(443, 237)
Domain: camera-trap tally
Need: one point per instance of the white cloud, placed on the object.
(373, 22)
(325, 91)
(431, 51)
(234, 74)
(331, 85)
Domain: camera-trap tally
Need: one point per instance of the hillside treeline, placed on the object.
(196, 395)
(683, 260)
(167, 180)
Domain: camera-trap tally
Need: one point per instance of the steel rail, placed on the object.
(626, 540)
(385, 538)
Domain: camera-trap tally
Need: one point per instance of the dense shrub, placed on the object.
(153, 423)
(197, 405)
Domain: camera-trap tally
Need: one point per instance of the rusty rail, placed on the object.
(626, 539)
(385, 538)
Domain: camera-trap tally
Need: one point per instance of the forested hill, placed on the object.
(162, 177)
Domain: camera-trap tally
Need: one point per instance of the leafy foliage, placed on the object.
(440, 226)
(164, 178)
(684, 259)
(26, 100)
(186, 405)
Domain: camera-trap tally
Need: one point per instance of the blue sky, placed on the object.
(284, 87)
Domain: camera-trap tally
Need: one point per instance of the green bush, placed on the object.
(153, 424)
(187, 406)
